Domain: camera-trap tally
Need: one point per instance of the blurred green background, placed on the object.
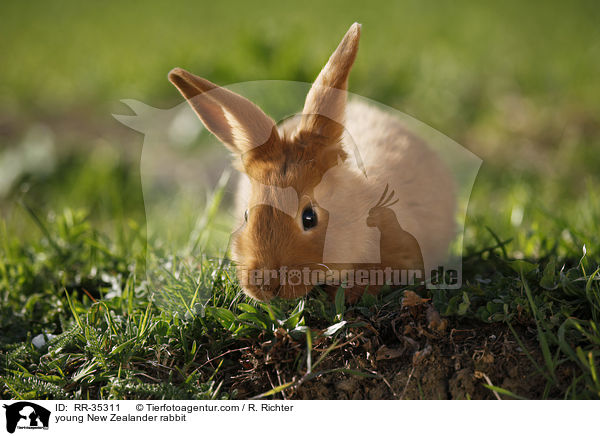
(517, 83)
(514, 82)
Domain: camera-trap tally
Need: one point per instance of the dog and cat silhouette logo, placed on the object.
(26, 415)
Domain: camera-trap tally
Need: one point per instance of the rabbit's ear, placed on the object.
(237, 122)
(326, 101)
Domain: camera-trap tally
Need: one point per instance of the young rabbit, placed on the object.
(309, 212)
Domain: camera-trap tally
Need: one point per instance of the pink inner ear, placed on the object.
(213, 117)
(237, 122)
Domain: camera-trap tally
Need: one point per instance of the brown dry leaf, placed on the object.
(411, 299)
(421, 354)
(443, 325)
(370, 344)
(487, 358)
(385, 353)
(435, 321)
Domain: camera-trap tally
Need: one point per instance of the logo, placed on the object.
(26, 415)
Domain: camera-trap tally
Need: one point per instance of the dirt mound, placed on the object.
(398, 354)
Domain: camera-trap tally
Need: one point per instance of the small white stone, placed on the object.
(40, 340)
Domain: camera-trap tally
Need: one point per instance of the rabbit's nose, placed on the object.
(262, 284)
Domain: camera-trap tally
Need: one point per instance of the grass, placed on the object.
(131, 312)
(121, 336)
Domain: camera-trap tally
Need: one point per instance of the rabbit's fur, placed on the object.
(309, 161)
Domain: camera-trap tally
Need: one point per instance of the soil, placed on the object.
(410, 354)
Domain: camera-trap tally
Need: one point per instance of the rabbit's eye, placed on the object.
(246, 215)
(309, 218)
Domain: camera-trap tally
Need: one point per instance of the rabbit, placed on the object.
(309, 214)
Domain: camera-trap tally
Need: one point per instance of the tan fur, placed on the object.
(305, 161)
